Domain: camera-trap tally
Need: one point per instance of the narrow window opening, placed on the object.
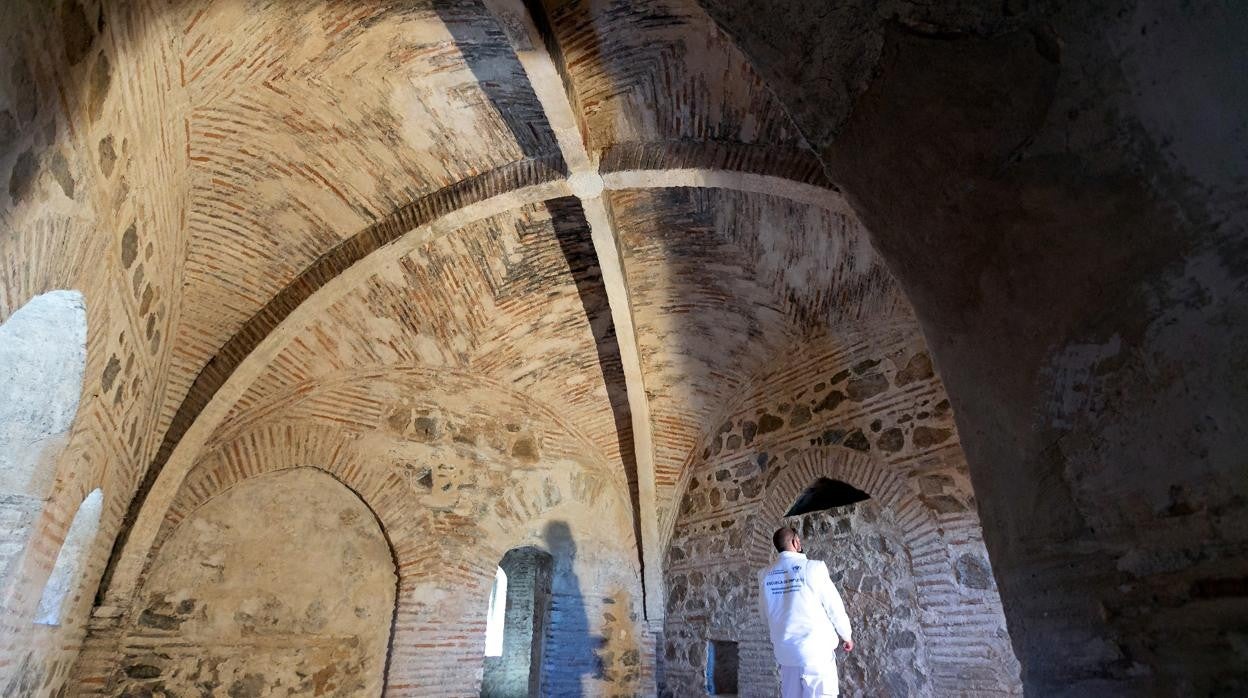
(495, 615)
(524, 599)
(826, 494)
(721, 668)
(71, 560)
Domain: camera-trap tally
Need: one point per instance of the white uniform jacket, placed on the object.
(803, 611)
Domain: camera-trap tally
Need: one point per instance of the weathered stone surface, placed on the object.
(76, 32)
(918, 368)
(924, 436)
(866, 387)
(129, 245)
(108, 155)
(323, 196)
(768, 423)
(293, 557)
(59, 167)
(892, 440)
(973, 572)
(22, 176)
(830, 401)
(857, 441)
(101, 81)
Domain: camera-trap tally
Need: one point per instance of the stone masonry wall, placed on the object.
(865, 549)
(868, 410)
(457, 471)
(281, 585)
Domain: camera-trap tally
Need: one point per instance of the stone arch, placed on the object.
(66, 575)
(928, 559)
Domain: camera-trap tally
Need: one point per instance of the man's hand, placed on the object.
(849, 645)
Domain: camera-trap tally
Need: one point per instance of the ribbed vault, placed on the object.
(476, 132)
(596, 273)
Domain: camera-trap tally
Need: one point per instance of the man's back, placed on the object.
(802, 609)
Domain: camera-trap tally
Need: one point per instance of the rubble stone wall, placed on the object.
(868, 411)
(281, 585)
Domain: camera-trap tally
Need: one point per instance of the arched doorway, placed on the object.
(864, 546)
(514, 638)
(919, 629)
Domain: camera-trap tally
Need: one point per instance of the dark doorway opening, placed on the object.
(826, 494)
(721, 668)
(516, 669)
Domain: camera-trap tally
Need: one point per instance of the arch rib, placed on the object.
(226, 378)
(538, 55)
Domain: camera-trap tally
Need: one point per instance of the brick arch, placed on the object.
(853, 468)
(282, 446)
(276, 447)
(930, 563)
(104, 676)
(438, 622)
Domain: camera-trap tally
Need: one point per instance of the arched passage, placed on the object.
(526, 594)
(284, 582)
(884, 556)
(920, 627)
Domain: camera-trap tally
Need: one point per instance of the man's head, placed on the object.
(785, 539)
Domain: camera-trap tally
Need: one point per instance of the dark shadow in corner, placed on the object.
(488, 53)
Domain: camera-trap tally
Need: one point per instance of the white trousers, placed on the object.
(808, 682)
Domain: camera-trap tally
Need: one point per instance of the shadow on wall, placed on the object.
(502, 79)
(1098, 379)
(571, 650)
(572, 231)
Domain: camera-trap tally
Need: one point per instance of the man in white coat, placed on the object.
(805, 615)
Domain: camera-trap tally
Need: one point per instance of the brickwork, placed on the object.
(871, 413)
(724, 283)
(453, 488)
(198, 186)
(527, 616)
(586, 275)
(93, 202)
(298, 601)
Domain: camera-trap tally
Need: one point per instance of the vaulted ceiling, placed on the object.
(599, 205)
